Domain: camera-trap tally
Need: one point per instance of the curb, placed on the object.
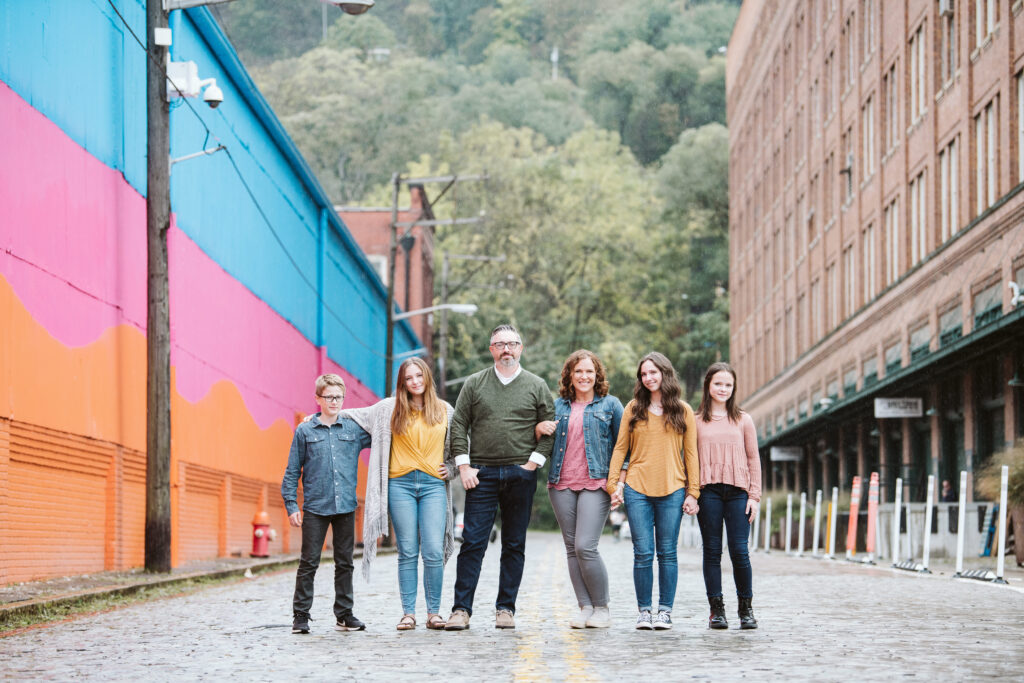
(38, 605)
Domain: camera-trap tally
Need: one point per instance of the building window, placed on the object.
(984, 20)
(920, 342)
(949, 189)
(892, 241)
(917, 75)
(832, 282)
(848, 168)
(893, 357)
(812, 227)
(948, 46)
(817, 312)
(951, 326)
(1020, 127)
(868, 258)
(871, 371)
(790, 242)
(790, 336)
(988, 305)
(780, 347)
(827, 187)
(869, 10)
(867, 117)
(828, 92)
(985, 134)
(849, 285)
(892, 119)
(832, 389)
(803, 326)
(851, 51)
(850, 381)
(918, 220)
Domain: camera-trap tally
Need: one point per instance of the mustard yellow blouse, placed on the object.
(421, 447)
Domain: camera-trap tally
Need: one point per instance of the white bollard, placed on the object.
(817, 521)
(757, 528)
(910, 526)
(927, 546)
(768, 527)
(800, 525)
(832, 523)
(1001, 559)
(961, 521)
(896, 509)
(789, 520)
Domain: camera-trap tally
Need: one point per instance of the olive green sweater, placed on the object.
(494, 422)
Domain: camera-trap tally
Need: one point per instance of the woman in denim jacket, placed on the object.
(585, 427)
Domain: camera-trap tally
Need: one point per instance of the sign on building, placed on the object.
(787, 454)
(898, 407)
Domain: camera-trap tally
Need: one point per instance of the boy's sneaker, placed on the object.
(663, 620)
(458, 621)
(300, 624)
(644, 622)
(349, 622)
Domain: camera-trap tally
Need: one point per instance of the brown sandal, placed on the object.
(406, 623)
(435, 622)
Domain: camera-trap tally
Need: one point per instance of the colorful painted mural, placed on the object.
(248, 333)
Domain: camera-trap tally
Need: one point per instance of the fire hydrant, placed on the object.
(261, 535)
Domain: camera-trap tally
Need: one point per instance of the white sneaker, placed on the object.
(663, 620)
(580, 620)
(643, 622)
(601, 618)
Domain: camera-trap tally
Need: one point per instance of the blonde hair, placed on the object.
(433, 409)
(330, 379)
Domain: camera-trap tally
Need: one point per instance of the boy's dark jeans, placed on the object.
(314, 531)
(510, 488)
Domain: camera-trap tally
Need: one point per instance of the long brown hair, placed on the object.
(565, 388)
(433, 409)
(731, 409)
(671, 403)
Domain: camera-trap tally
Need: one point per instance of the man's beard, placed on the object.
(508, 362)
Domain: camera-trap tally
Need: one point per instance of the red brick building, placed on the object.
(876, 225)
(414, 265)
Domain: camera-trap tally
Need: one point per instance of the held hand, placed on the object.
(690, 506)
(309, 417)
(545, 428)
(751, 509)
(468, 476)
(617, 497)
(295, 519)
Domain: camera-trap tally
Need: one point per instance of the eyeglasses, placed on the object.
(331, 399)
(511, 346)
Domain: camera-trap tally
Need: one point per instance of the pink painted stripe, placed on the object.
(72, 246)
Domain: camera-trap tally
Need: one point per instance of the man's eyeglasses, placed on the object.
(332, 399)
(511, 346)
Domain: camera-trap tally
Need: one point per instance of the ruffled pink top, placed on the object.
(728, 453)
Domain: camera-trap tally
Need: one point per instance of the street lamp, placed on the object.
(467, 309)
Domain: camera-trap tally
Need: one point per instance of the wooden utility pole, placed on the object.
(158, 319)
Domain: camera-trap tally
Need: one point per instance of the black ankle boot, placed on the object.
(717, 619)
(746, 611)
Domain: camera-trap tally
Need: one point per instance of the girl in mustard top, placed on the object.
(661, 481)
(410, 463)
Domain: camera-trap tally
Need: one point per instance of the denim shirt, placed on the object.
(328, 458)
(601, 419)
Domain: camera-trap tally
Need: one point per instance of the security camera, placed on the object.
(213, 96)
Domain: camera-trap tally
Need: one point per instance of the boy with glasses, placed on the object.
(325, 450)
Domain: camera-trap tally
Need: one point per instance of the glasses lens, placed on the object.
(501, 346)
(332, 399)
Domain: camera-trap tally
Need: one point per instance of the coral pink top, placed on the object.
(728, 453)
(575, 474)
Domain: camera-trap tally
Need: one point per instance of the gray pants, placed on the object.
(581, 516)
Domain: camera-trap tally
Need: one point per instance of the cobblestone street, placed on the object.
(819, 620)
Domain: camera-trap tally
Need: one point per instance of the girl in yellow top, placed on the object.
(410, 463)
(659, 434)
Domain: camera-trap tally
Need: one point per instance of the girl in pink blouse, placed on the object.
(730, 490)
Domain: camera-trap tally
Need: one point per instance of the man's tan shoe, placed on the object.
(458, 621)
(504, 619)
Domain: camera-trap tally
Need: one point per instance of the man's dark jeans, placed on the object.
(510, 488)
(314, 531)
(718, 503)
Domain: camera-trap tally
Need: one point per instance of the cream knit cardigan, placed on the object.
(376, 420)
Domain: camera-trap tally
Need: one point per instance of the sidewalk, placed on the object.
(32, 597)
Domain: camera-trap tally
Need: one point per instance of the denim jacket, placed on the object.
(328, 460)
(601, 419)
